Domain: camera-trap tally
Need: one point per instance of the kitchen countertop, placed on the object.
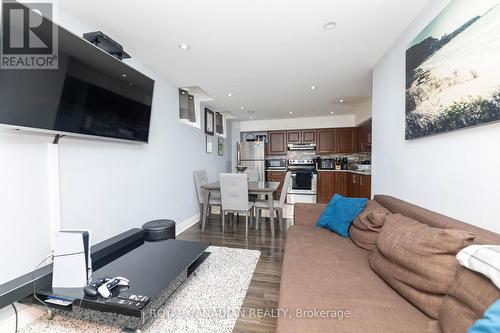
(364, 173)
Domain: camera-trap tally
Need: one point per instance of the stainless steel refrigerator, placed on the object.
(252, 155)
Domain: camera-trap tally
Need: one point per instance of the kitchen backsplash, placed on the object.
(355, 158)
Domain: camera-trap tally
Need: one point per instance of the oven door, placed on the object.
(296, 195)
(302, 180)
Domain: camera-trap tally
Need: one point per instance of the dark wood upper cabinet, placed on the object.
(294, 136)
(326, 143)
(364, 143)
(277, 143)
(301, 136)
(308, 136)
(346, 140)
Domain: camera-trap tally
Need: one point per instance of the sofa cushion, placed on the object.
(417, 260)
(469, 296)
(324, 271)
(365, 228)
(340, 213)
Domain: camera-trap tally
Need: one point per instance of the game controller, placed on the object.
(91, 289)
(105, 289)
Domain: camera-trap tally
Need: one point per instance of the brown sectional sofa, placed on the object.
(324, 271)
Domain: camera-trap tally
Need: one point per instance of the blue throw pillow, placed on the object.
(340, 213)
(490, 322)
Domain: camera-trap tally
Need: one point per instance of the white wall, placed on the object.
(106, 186)
(363, 113)
(297, 123)
(455, 173)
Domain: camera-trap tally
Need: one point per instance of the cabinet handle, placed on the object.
(361, 180)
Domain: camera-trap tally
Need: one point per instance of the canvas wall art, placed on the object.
(453, 70)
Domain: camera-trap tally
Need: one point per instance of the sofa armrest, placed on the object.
(307, 214)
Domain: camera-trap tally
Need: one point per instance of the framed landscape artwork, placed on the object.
(453, 70)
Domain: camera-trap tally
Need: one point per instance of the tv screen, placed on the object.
(91, 93)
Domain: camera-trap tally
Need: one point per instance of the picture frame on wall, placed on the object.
(452, 72)
(220, 147)
(209, 144)
(209, 121)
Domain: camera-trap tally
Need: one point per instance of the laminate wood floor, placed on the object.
(263, 292)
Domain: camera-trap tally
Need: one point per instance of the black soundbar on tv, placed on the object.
(101, 254)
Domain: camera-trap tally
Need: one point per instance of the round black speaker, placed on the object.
(159, 230)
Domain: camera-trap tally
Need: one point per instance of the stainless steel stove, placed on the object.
(304, 181)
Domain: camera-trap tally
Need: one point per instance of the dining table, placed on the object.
(259, 188)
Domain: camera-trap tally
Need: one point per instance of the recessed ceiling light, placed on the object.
(291, 112)
(124, 75)
(330, 25)
(313, 88)
(229, 95)
(184, 47)
(332, 112)
(341, 101)
(243, 108)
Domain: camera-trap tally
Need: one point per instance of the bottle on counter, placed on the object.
(345, 165)
(338, 164)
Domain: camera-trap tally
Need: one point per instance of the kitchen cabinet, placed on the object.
(277, 143)
(341, 184)
(346, 140)
(294, 136)
(325, 186)
(308, 136)
(330, 183)
(359, 186)
(326, 143)
(276, 176)
(364, 138)
(301, 136)
(365, 186)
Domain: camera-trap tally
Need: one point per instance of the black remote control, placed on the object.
(133, 297)
(125, 303)
(91, 289)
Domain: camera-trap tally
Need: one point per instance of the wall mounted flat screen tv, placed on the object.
(91, 93)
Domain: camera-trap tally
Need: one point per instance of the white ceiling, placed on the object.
(267, 53)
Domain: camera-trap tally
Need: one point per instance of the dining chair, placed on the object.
(234, 197)
(253, 176)
(200, 179)
(278, 205)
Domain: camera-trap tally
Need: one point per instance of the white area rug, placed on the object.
(208, 301)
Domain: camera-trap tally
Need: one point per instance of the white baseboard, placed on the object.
(183, 226)
(27, 314)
